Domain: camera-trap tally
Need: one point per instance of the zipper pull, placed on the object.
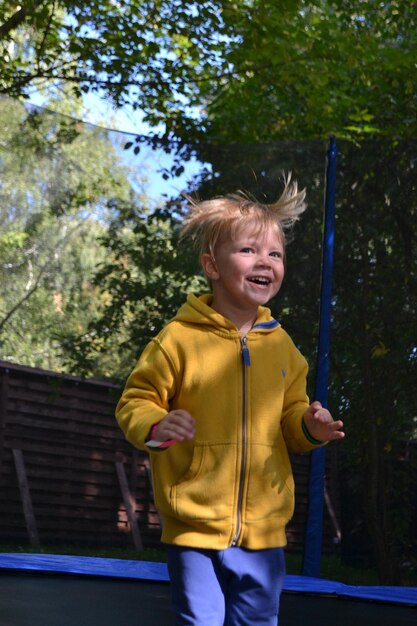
(245, 351)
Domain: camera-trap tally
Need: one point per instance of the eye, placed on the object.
(247, 250)
(277, 254)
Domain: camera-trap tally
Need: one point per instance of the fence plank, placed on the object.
(129, 506)
(26, 499)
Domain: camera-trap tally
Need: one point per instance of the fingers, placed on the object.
(321, 414)
(316, 405)
(178, 425)
(323, 424)
(334, 430)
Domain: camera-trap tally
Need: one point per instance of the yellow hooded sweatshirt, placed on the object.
(232, 484)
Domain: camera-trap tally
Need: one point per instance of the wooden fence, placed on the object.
(68, 476)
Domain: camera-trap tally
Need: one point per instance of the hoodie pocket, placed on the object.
(206, 490)
(271, 484)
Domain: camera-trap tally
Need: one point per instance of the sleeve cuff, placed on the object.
(307, 435)
(157, 445)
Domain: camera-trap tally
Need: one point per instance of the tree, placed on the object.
(145, 278)
(308, 69)
(375, 343)
(133, 51)
(59, 179)
(248, 70)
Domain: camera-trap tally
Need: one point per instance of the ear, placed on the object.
(209, 266)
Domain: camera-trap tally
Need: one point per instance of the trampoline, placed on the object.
(51, 590)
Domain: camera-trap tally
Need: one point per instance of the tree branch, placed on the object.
(45, 34)
(40, 275)
(17, 18)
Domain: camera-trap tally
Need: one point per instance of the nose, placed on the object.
(263, 259)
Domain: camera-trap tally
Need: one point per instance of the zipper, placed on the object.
(245, 364)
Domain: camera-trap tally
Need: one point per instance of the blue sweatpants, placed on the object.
(233, 587)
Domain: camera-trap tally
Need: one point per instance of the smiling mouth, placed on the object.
(259, 280)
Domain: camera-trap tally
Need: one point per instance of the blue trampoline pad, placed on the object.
(158, 572)
(57, 590)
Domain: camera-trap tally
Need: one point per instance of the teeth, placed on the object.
(260, 280)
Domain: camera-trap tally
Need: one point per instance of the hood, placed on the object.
(197, 310)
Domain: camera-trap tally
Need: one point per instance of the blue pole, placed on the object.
(314, 522)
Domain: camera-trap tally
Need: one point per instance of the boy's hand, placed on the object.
(177, 425)
(321, 425)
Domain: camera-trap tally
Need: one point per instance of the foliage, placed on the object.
(375, 341)
(56, 179)
(144, 279)
(309, 69)
(247, 70)
(129, 49)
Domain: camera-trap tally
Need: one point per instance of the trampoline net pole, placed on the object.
(314, 522)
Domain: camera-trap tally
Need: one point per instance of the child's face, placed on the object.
(246, 271)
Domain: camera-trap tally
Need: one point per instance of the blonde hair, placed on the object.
(207, 221)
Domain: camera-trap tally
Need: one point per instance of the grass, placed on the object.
(331, 566)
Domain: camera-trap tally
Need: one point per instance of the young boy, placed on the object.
(218, 398)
